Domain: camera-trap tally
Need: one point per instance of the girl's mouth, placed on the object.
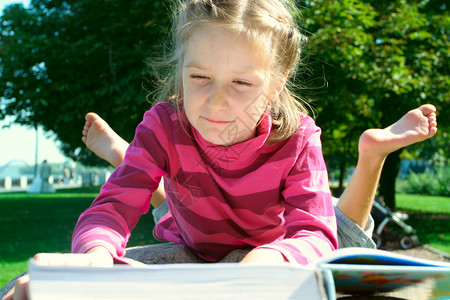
(216, 121)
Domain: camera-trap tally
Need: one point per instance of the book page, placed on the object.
(174, 281)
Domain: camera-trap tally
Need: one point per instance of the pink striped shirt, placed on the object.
(252, 194)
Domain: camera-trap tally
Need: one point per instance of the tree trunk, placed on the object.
(340, 189)
(387, 180)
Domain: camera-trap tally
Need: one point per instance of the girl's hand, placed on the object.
(95, 257)
(20, 290)
(98, 257)
(264, 256)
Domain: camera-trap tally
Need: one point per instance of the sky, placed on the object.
(19, 143)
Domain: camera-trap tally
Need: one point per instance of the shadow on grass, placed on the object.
(432, 229)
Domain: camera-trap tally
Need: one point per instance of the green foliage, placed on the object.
(379, 59)
(375, 60)
(430, 182)
(369, 62)
(60, 60)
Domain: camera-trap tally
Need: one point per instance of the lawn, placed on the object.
(32, 223)
(430, 217)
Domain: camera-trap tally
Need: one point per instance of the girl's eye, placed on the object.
(242, 82)
(198, 76)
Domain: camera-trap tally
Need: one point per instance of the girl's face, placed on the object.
(226, 86)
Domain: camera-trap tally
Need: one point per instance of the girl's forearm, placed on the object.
(265, 256)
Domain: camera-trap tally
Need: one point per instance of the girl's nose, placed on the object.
(217, 97)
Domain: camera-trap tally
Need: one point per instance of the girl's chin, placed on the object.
(221, 137)
(217, 140)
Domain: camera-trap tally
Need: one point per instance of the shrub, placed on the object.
(431, 182)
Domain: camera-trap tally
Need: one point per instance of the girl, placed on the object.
(355, 204)
(351, 211)
(241, 161)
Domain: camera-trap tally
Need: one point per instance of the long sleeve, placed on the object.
(126, 195)
(310, 224)
(252, 194)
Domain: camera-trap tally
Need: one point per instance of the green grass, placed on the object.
(430, 217)
(33, 223)
(423, 203)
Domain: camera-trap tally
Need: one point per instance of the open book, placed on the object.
(344, 271)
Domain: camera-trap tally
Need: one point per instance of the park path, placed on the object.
(423, 252)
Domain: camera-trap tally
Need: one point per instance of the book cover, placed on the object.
(359, 271)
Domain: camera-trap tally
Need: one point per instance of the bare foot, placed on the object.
(102, 140)
(415, 126)
(108, 145)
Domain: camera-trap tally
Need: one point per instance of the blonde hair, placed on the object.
(267, 23)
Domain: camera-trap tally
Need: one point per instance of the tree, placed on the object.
(376, 60)
(60, 60)
(380, 59)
